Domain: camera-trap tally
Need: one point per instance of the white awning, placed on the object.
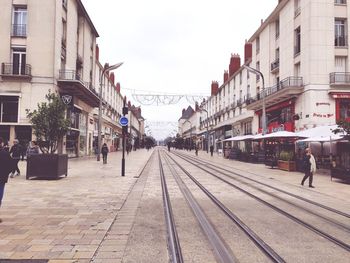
(240, 138)
(322, 138)
(323, 131)
(281, 134)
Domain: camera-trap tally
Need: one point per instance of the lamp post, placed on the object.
(207, 128)
(109, 68)
(263, 118)
(190, 133)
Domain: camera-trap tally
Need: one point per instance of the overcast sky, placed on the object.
(173, 46)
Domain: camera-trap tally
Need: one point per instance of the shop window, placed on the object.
(73, 116)
(8, 108)
(344, 110)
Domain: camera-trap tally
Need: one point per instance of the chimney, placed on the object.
(97, 53)
(140, 112)
(111, 77)
(225, 76)
(248, 51)
(129, 104)
(235, 64)
(183, 112)
(118, 87)
(197, 106)
(214, 88)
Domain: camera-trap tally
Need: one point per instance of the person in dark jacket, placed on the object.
(307, 161)
(211, 150)
(16, 151)
(104, 152)
(6, 167)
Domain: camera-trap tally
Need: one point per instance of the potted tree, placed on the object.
(49, 125)
(286, 161)
(341, 165)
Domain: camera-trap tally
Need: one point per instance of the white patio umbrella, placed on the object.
(280, 134)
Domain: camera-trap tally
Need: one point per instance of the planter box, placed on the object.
(287, 165)
(47, 166)
(340, 173)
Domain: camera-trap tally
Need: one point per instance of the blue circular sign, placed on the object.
(123, 121)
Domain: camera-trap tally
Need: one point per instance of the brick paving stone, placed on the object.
(66, 219)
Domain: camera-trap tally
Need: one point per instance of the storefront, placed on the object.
(279, 117)
(342, 102)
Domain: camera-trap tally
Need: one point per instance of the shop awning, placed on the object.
(240, 138)
(278, 134)
(323, 131)
(334, 137)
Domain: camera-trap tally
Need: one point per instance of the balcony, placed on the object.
(70, 82)
(19, 30)
(288, 88)
(275, 66)
(11, 70)
(339, 79)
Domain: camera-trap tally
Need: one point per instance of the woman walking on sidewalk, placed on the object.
(6, 167)
(104, 152)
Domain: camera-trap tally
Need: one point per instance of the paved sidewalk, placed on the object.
(322, 181)
(66, 220)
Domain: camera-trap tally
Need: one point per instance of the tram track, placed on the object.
(327, 219)
(318, 231)
(265, 248)
(341, 213)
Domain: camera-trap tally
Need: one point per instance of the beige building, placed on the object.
(302, 51)
(50, 46)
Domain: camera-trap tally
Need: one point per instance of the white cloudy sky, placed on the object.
(173, 46)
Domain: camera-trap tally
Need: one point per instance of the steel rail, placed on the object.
(290, 216)
(221, 250)
(265, 248)
(329, 220)
(277, 189)
(173, 239)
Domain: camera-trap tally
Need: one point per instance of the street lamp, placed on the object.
(190, 133)
(108, 68)
(263, 118)
(207, 127)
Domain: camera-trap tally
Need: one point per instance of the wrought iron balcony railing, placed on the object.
(10, 69)
(286, 83)
(19, 30)
(339, 78)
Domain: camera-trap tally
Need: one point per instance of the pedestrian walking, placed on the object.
(309, 167)
(168, 146)
(6, 164)
(104, 152)
(32, 149)
(211, 150)
(15, 153)
(196, 149)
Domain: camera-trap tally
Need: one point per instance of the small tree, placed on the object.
(49, 123)
(343, 128)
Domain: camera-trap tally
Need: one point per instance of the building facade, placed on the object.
(302, 51)
(56, 53)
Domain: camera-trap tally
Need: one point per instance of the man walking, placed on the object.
(211, 150)
(104, 151)
(309, 167)
(6, 167)
(16, 152)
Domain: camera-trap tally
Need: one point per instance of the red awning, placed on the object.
(341, 95)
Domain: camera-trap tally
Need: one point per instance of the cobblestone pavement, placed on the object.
(90, 215)
(66, 220)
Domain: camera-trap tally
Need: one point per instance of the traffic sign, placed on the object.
(123, 121)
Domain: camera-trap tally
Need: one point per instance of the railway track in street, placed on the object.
(218, 174)
(220, 169)
(241, 178)
(218, 246)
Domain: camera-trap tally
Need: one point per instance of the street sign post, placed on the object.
(123, 121)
